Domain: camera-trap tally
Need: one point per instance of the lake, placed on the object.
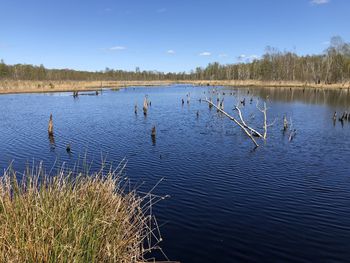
(283, 201)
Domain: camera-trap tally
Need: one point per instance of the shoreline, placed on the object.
(16, 87)
(21, 86)
(269, 84)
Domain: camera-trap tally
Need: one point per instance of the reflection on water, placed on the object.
(287, 200)
(339, 98)
(52, 141)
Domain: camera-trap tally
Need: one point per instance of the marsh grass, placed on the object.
(74, 217)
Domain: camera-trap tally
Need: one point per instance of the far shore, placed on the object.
(12, 86)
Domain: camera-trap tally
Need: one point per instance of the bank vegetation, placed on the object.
(332, 67)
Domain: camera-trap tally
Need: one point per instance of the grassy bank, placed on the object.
(11, 86)
(258, 83)
(20, 86)
(71, 218)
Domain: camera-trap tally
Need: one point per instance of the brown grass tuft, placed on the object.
(73, 217)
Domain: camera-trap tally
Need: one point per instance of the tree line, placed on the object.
(332, 66)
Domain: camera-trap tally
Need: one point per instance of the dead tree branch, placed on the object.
(234, 120)
(253, 131)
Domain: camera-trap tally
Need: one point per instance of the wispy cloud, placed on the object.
(223, 55)
(161, 10)
(108, 9)
(247, 58)
(170, 51)
(241, 57)
(319, 2)
(205, 53)
(116, 48)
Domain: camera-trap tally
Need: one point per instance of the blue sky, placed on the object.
(164, 35)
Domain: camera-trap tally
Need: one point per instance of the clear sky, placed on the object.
(164, 35)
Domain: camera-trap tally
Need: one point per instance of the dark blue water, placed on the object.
(284, 201)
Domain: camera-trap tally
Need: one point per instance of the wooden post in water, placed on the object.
(135, 109)
(210, 103)
(335, 116)
(50, 127)
(222, 104)
(145, 106)
(285, 123)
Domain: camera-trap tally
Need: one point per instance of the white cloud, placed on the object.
(222, 55)
(253, 57)
(205, 53)
(115, 48)
(247, 58)
(319, 2)
(170, 51)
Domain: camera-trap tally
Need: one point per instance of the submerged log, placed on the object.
(50, 127)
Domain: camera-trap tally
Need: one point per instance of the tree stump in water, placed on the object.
(210, 103)
(50, 127)
(145, 106)
(153, 133)
(285, 123)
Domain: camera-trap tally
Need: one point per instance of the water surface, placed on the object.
(285, 201)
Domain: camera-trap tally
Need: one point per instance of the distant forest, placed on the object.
(332, 66)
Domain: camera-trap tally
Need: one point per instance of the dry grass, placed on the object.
(260, 83)
(12, 86)
(73, 217)
(21, 86)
